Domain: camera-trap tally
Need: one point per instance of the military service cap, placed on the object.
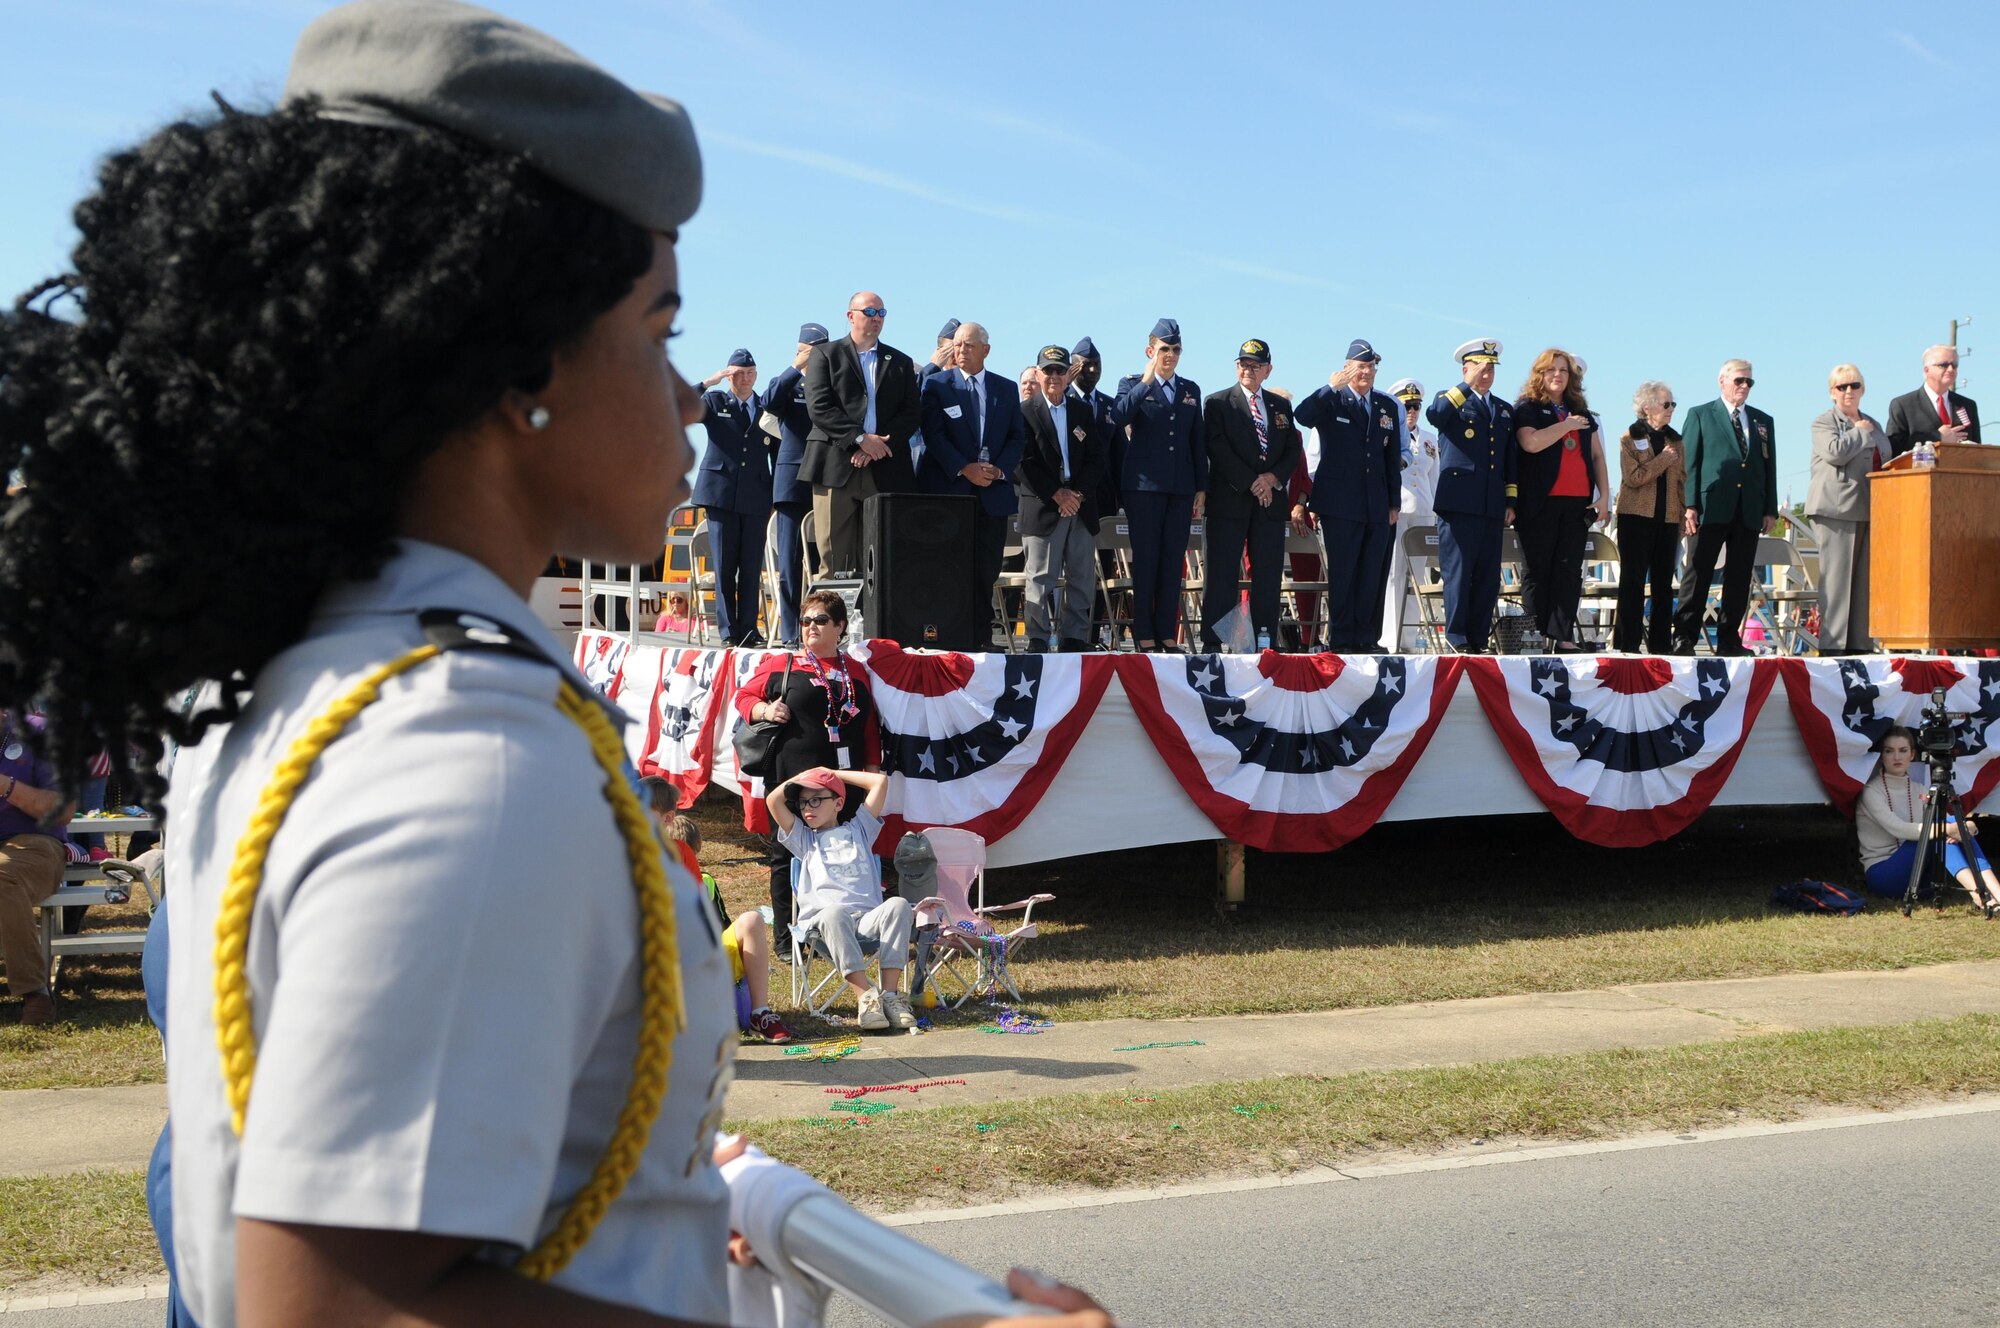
(1486, 351)
(1253, 349)
(1168, 331)
(1052, 357)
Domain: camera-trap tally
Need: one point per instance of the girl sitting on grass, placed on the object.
(1888, 820)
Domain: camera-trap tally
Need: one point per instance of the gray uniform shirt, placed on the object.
(444, 969)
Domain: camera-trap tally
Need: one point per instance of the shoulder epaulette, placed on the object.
(453, 629)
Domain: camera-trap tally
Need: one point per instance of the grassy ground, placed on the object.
(88, 1229)
(1413, 911)
(948, 1157)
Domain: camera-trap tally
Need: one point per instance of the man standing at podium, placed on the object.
(1732, 497)
(1934, 413)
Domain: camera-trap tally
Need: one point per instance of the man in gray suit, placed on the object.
(1846, 445)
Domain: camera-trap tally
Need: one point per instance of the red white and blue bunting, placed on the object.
(1290, 753)
(1843, 707)
(974, 740)
(1623, 751)
(693, 694)
(601, 660)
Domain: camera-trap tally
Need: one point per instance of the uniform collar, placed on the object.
(430, 576)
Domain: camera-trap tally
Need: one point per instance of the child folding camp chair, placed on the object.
(816, 983)
(954, 934)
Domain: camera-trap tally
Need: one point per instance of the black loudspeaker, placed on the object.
(917, 572)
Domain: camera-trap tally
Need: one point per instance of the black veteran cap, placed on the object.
(456, 67)
(1253, 349)
(1052, 357)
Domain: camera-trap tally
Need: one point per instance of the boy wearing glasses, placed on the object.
(840, 886)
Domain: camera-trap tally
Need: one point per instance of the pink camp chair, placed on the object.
(963, 931)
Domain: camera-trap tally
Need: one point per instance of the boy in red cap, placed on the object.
(840, 885)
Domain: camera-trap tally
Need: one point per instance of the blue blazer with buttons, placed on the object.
(785, 397)
(1360, 474)
(951, 438)
(1475, 453)
(736, 464)
(1168, 452)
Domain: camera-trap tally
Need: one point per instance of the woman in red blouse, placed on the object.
(1553, 506)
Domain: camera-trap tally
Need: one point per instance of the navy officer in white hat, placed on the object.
(1475, 493)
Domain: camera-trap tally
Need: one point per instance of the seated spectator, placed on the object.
(840, 891)
(744, 938)
(32, 857)
(674, 617)
(1889, 818)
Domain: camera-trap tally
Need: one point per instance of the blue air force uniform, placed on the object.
(735, 491)
(791, 497)
(1475, 484)
(1358, 483)
(1166, 465)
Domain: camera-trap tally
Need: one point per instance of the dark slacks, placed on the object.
(738, 543)
(1226, 538)
(1710, 539)
(1469, 560)
(1646, 548)
(1552, 543)
(791, 551)
(1357, 570)
(1160, 523)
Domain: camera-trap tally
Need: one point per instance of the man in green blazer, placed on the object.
(1732, 496)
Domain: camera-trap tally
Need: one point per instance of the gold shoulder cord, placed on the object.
(662, 1013)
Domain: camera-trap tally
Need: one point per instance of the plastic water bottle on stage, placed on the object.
(1924, 455)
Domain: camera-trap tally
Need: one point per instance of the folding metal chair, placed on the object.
(952, 932)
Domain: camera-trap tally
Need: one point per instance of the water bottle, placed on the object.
(985, 457)
(1104, 636)
(1263, 641)
(1924, 455)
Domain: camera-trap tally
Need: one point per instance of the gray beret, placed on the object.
(453, 66)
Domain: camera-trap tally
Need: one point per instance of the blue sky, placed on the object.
(1656, 188)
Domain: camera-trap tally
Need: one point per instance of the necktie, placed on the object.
(978, 413)
(1742, 440)
(1944, 414)
(1257, 421)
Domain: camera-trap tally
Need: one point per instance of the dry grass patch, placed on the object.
(942, 1157)
(89, 1228)
(101, 1036)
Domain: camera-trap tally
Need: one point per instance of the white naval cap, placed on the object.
(1407, 387)
(1480, 348)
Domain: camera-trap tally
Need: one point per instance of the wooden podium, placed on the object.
(1934, 551)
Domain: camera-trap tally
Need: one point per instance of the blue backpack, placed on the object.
(1817, 897)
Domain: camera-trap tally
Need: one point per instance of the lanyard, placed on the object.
(840, 704)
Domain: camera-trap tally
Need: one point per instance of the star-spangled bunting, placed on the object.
(1290, 753)
(1843, 707)
(1623, 751)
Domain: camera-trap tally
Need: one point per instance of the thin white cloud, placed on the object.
(864, 174)
(1921, 51)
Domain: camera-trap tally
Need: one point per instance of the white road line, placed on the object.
(1322, 1175)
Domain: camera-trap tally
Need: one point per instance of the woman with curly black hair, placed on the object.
(449, 1045)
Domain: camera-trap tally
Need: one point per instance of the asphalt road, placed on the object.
(1879, 1224)
(1894, 1223)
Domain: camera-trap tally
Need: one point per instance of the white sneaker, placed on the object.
(869, 1009)
(897, 1006)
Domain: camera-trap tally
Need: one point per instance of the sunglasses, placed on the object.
(1668, 405)
(816, 619)
(818, 800)
(1847, 387)
(1943, 364)
(1744, 382)
(870, 311)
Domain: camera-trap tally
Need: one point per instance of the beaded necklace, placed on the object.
(1909, 796)
(841, 707)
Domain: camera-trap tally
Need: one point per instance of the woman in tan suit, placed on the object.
(1650, 500)
(1846, 445)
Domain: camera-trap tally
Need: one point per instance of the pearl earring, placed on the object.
(538, 418)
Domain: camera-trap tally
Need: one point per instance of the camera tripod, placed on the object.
(1941, 801)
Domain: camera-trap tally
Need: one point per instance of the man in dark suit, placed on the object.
(1057, 485)
(1086, 369)
(1253, 447)
(1357, 494)
(734, 489)
(1732, 498)
(785, 418)
(972, 442)
(1934, 412)
(1165, 471)
(1475, 493)
(861, 396)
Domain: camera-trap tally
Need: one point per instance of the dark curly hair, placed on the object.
(277, 318)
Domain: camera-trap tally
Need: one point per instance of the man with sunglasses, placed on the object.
(1934, 413)
(1732, 498)
(861, 396)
